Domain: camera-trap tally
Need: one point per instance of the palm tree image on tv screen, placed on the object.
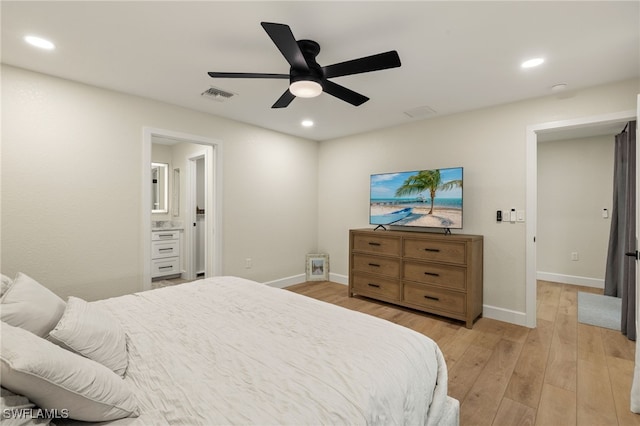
(424, 198)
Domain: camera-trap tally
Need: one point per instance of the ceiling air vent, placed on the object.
(421, 112)
(217, 94)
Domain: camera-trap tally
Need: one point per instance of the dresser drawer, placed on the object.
(377, 265)
(165, 235)
(161, 249)
(161, 267)
(434, 298)
(438, 251)
(376, 287)
(381, 244)
(433, 273)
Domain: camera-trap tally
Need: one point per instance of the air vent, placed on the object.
(421, 112)
(217, 94)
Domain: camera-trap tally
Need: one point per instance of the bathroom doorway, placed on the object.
(185, 206)
(197, 213)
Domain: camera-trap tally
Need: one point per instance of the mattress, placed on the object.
(226, 350)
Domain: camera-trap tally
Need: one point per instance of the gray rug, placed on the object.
(596, 309)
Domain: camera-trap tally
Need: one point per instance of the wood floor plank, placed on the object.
(590, 347)
(484, 397)
(557, 407)
(617, 345)
(621, 374)
(465, 372)
(561, 368)
(511, 412)
(594, 398)
(526, 382)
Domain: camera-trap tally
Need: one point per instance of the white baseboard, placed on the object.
(570, 279)
(338, 278)
(286, 282)
(301, 278)
(504, 315)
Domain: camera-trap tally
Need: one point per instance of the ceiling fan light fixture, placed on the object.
(305, 88)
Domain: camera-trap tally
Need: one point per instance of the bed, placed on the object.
(226, 350)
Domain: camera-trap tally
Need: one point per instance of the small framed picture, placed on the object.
(317, 267)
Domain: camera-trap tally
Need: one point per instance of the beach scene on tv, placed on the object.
(429, 198)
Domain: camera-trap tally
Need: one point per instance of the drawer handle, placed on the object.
(165, 235)
(374, 285)
(166, 267)
(166, 249)
(432, 298)
(433, 274)
(374, 265)
(374, 244)
(432, 250)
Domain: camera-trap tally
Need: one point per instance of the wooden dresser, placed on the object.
(435, 273)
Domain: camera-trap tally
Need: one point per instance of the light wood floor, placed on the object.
(560, 373)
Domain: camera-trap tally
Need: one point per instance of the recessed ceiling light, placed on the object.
(40, 42)
(532, 63)
(307, 123)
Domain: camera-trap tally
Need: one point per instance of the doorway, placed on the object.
(583, 127)
(210, 150)
(196, 213)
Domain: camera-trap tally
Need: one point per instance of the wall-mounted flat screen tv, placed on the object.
(421, 198)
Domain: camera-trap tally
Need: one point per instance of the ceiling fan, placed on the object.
(306, 77)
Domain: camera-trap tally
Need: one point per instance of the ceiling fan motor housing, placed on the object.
(310, 50)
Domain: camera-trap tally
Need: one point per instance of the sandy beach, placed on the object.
(441, 217)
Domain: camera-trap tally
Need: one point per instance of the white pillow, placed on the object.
(5, 283)
(92, 332)
(54, 378)
(29, 305)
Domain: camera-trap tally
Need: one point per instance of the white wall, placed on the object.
(71, 187)
(490, 145)
(575, 184)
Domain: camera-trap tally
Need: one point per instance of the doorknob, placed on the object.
(632, 254)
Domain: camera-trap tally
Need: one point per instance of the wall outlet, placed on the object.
(574, 255)
(248, 263)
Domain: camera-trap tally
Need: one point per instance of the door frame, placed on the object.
(532, 193)
(214, 235)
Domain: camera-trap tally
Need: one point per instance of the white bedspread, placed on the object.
(226, 350)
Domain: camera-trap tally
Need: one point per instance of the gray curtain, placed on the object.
(620, 276)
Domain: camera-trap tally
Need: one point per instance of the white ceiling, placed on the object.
(456, 56)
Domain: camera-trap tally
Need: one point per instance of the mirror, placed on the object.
(159, 187)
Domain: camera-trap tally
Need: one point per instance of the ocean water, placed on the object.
(450, 203)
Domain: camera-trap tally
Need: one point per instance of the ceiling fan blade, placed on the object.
(246, 75)
(284, 100)
(285, 41)
(341, 92)
(381, 61)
